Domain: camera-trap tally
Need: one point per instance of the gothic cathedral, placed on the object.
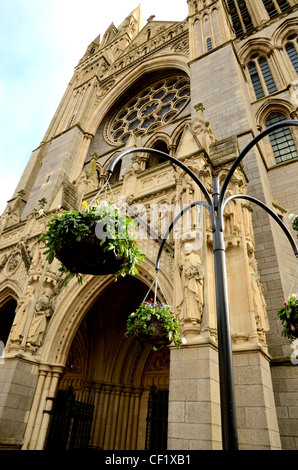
(198, 90)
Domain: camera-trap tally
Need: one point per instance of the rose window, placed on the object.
(154, 106)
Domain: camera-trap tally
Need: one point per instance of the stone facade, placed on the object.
(199, 90)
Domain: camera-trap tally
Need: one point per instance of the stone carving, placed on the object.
(202, 128)
(191, 300)
(36, 260)
(259, 303)
(88, 179)
(13, 262)
(44, 309)
(12, 214)
(23, 308)
(3, 262)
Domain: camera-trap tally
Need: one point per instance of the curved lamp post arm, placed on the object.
(251, 144)
(171, 226)
(168, 157)
(270, 212)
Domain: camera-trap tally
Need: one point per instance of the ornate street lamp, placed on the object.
(216, 206)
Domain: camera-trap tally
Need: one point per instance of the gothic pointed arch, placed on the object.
(273, 105)
(8, 306)
(254, 46)
(284, 30)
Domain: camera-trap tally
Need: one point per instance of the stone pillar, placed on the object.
(18, 378)
(256, 411)
(55, 376)
(194, 405)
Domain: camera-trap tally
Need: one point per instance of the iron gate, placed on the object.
(71, 422)
(157, 420)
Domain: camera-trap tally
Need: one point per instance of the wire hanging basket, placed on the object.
(97, 240)
(154, 323)
(89, 256)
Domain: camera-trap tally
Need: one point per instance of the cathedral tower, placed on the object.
(198, 89)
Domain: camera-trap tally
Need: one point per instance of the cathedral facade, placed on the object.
(198, 90)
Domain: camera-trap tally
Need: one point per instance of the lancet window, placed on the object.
(261, 76)
(240, 16)
(291, 49)
(275, 7)
(281, 140)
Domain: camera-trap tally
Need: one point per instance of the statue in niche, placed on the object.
(202, 128)
(44, 309)
(22, 310)
(43, 312)
(36, 260)
(192, 285)
(259, 303)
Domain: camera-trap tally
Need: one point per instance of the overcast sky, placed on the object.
(41, 41)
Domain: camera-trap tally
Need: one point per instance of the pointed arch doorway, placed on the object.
(119, 379)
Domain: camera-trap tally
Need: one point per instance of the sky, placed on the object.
(41, 42)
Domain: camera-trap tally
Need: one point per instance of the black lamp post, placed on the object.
(216, 206)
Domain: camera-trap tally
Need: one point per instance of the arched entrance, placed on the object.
(7, 314)
(111, 378)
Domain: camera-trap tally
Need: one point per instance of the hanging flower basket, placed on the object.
(89, 256)
(288, 314)
(97, 240)
(155, 324)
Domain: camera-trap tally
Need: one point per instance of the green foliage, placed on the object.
(295, 224)
(119, 236)
(140, 321)
(288, 314)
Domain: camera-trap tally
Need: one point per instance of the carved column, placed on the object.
(135, 424)
(55, 376)
(115, 416)
(41, 407)
(107, 394)
(43, 371)
(124, 430)
(97, 409)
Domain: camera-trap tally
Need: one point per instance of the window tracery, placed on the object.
(152, 107)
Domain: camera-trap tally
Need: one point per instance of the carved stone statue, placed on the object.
(260, 307)
(192, 281)
(44, 309)
(21, 316)
(202, 128)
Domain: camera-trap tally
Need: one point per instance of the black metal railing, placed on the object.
(71, 422)
(157, 420)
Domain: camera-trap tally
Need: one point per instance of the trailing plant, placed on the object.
(294, 220)
(288, 314)
(141, 322)
(115, 233)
